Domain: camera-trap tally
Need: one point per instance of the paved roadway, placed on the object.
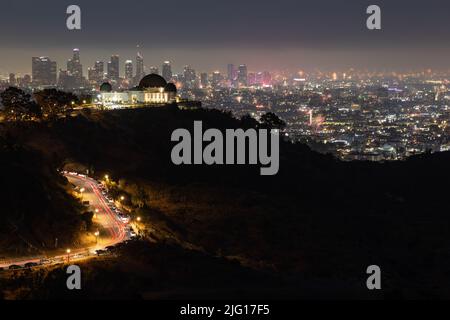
(112, 230)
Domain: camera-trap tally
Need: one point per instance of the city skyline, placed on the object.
(354, 115)
(156, 64)
(181, 58)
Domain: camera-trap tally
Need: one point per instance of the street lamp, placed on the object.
(138, 219)
(106, 177)
(95, 214)
(96, 236)
(68, 255)
(122, 198)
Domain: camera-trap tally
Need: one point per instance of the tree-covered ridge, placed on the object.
(36, 207)
(319, 218)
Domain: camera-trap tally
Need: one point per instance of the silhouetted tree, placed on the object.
(271, 121)
(248, 122)
(54, 102)
(18, 105)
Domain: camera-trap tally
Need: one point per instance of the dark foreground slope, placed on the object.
(35, 207)
(319, 221)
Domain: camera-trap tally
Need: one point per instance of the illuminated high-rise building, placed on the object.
(167, 71)
(96, 73)
(190, 78)
(266, 78)
(243, 75)
(140, 71)
(75, 68)
(100, 68)
(128, 69)
(216, 79)
(204, 80)
(76, 54)
(67, 81)
(92, 75)
(153, 70)
(231, 72)
(113, 68)
(44, 71)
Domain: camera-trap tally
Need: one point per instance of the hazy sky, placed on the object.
(266, 35)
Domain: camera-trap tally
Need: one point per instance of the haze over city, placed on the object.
(278, 35)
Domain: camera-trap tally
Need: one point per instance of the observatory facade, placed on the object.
(152, 89)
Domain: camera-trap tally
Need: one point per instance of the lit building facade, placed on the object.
(128, 69)
(113, 68)
(44, 71)
(152, 89)
(167, 71)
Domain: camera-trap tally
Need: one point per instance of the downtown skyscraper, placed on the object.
(204, 81)
(113, 68)
(242, 75)
(231, 72)
(129, 70)
(189, 77)
(75, 68)
(96, 73)
(140, 71)
(167, 71)
(44, 71)
(153, 70)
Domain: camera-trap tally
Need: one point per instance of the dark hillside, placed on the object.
(319, 217)
(35, 205)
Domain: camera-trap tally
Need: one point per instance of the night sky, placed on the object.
(266, 35)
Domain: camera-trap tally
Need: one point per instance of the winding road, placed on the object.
(111, 229)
